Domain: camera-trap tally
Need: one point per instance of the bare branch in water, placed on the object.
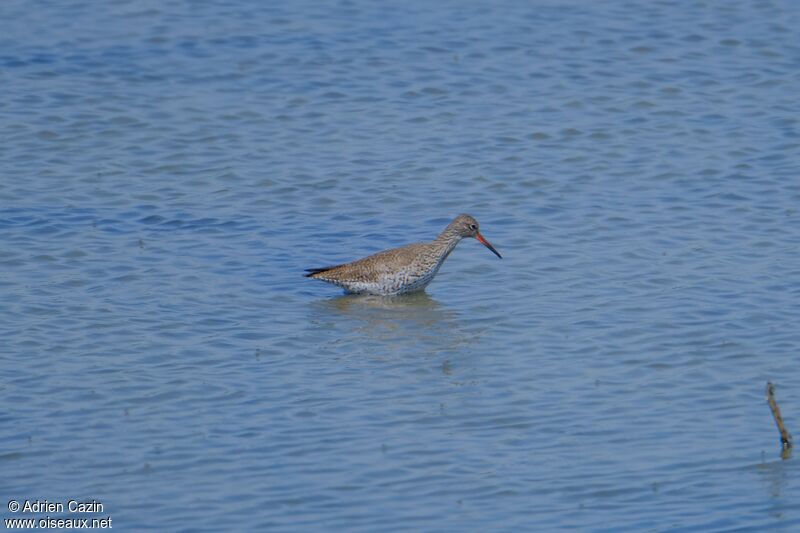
(786, 437)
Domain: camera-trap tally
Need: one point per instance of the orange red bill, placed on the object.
(487, 244)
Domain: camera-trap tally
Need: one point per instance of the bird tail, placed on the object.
(310, 272)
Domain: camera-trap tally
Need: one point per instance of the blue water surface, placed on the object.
(168, 169)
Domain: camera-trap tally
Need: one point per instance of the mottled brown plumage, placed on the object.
(401, 270)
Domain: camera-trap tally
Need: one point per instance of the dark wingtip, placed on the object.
(311, 271)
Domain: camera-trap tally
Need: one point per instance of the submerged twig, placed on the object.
(786, 437)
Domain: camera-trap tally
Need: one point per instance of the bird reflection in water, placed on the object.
(413, 323)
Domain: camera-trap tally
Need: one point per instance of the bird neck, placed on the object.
(448, 239)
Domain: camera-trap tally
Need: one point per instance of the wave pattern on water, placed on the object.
(169, 170)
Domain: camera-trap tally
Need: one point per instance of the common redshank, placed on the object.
(401, 270)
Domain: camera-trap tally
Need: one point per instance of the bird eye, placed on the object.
(473, 227)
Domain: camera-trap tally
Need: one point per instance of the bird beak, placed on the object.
(487, 244)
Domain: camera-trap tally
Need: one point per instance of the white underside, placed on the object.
(402, 283)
